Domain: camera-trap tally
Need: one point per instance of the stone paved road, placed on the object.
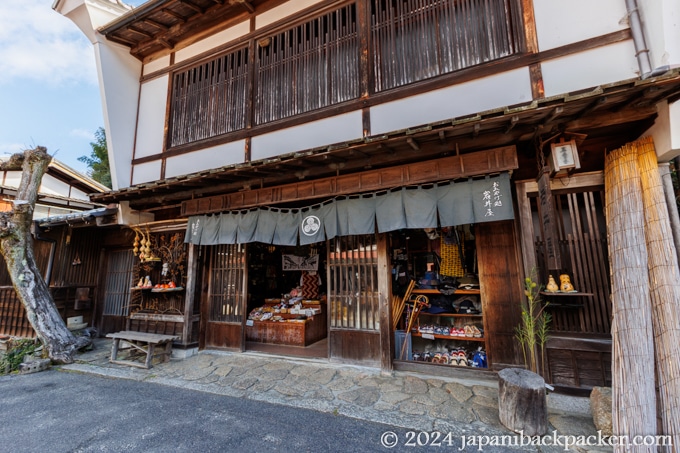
(410, 402)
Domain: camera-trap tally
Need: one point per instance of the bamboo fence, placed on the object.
(664, 276)
(633, 389)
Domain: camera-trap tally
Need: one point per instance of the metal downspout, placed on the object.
(641, 50)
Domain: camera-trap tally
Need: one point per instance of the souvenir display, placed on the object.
(551, 287)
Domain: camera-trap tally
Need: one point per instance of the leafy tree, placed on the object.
(16, 246)
(98, 161)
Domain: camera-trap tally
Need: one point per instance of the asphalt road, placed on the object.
(55, 411)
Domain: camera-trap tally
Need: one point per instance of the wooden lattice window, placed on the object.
(119, 280)
(414, 40)
(225, 290)
(354, 297)
(312, 65)
(209, 99)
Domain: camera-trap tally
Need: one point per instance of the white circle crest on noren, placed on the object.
(311, 225)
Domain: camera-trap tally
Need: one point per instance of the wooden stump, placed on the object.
(522, 404)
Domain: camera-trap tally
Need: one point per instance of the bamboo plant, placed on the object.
(532, 332)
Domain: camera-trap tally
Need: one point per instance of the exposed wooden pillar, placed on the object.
(526, 227)
(192, 269)
(385, 296)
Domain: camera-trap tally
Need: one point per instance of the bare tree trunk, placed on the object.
(17, 249)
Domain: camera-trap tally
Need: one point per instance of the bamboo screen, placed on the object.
(210, 99)
(119, 276)
(225, 288)
(353, 268)
(583, 250)
(309, 66)
(414, 39)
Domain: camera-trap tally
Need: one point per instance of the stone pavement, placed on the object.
(465, 406)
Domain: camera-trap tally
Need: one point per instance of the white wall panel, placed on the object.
(336, 129)
(560, 22)
(288, 8)
(79, 194)
(12, 179)
(213, 41)
(157, 65)
(53, 186)
(148, 172)
(666, 131)
(205, 159)
(589, 69)
(661, 20)
(119, 86)
(508, 88)
(151, 122)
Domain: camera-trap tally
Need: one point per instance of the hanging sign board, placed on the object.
(547, 212)
(300, 263)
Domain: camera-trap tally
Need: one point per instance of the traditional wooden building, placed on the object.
(63, 197)
(316, 156)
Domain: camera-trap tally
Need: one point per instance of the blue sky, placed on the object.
(48, 83)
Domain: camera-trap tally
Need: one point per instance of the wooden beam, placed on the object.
(413, 144)
(621, 117)
(447, 168)
(513, 122)
(172, 13)
(155, 24)
(140, 32)
(192, 6)
(246, 4)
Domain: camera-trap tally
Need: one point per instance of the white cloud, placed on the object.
(82, 133)
(40, 44)
(12, 148)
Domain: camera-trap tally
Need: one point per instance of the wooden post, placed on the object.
(384, 291)
(192, 258)
(522, 404)
(547, 210)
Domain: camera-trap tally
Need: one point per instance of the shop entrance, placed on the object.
(286, 302)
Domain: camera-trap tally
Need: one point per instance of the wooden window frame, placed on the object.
(364, 85)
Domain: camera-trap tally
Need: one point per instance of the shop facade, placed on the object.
(367, 136)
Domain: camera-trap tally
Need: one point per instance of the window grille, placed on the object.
(210, 99)
(225, 291)
(414, 40)
(353, 294)
(309, 66)
(119, 280)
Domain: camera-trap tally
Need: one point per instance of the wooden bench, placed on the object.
(142, 342)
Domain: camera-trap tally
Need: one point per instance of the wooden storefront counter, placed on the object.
(288, 333)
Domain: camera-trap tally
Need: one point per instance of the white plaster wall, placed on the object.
(336, 129)
(288, 8)
(589, 69)
(661, 22)
(206, 159)
(213, 41)
(508, 88)
(560, 22)
(119, 74)
(666, 131)
(156, 65)
(148, 172)
(12, 179)
(53, 186)
(79, 194)
(151, 122)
